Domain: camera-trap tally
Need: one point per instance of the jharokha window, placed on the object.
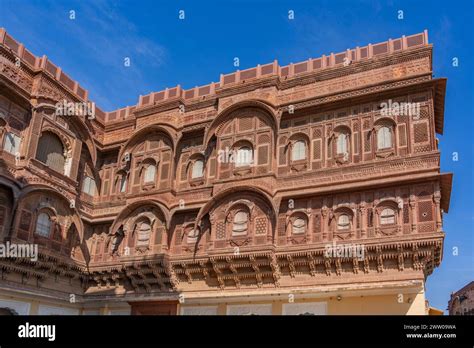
(384, 138)
(244, 157)
(89, 187)
(150, 173)
(51, 152)
(299, 225)
(342, 140)
(240, 224)
(143, 232)
(122, 183)
(43, 225)
(197, 169)
(12, 143)
(192, 236)
(387, 216)
(298, 151)
(343, 222)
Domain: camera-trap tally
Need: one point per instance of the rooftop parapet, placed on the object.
(288, 71)
(34, 62)
(47, 66)
(226, 80)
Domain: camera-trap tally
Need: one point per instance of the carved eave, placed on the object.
(41, 174)
(265, 269)
(201, 103)
(359, 66)
(47, 87)
(152, 275)
(446, 181)
(415, 170)
(439, 97)
(101, 211)
(147, 110)
(359, 94)
(284, 83)
(229, 270)
(196, 127)
(15, 79)
(326, 74)
(247, 86)
(129, 122)
(43, 268)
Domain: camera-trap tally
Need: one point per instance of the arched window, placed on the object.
(143, 231)
(298, 151)
(43, 225)
(192, 236)
(240, 224)
(117, 239)
(387, 216)
(12, 143)
(123, 183)
(342, 144)
(115, 243)
(343, 222)
(299, 225)
(384, 138)
(150, 172)
(244, 157)
(198, 169)
(51, 152)
(89, 186)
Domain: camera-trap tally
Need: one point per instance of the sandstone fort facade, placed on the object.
(308, 188)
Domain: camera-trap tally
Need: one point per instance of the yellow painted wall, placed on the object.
(401, 304)
(396, 304)
(407, 304)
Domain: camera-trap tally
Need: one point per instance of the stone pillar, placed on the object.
(400, 215)
(34, 308)
(375, 218)
(363, 220)
(212, 221)
(412, 203)
(222, 309)
(33, 136)
(164, 237)
(310, 219)
(437, 201)
(104, 310)
(324, 223)
(75, 159)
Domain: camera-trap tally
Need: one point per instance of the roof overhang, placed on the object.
(446, 182)
(438, 101)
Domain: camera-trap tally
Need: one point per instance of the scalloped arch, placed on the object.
(268, 109)
(165, 130)
(265, 196)
(29, 189)
(129, 209)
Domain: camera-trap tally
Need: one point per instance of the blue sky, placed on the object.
(165, 51)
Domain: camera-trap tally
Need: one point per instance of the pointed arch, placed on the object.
(129, 209)
(82, 128)
(243, 191)
(155, 129)
(267, 109)
(30, 189)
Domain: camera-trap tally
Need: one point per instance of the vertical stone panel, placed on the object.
(76, 156)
